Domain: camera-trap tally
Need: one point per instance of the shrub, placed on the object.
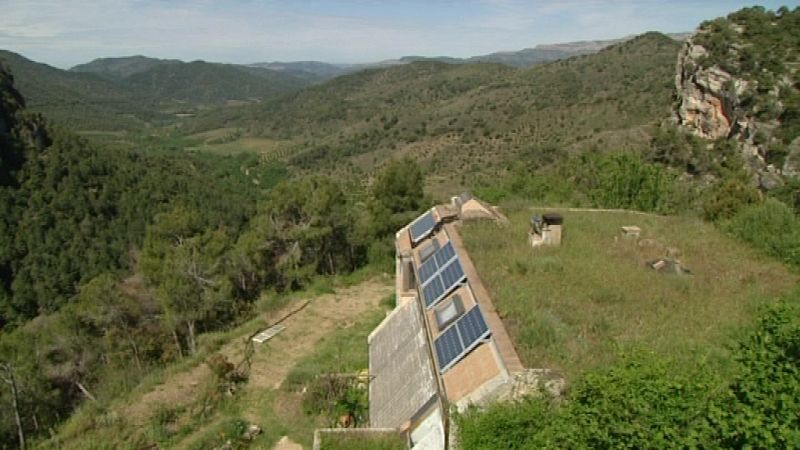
(771, 226)
(727, 197)
(647, 402)
(759, 408)
(639, 403)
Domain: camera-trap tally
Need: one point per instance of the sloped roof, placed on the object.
(402, 379)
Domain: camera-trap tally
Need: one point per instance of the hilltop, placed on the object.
(121, 67)
(578, 306)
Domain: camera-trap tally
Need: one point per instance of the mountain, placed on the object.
(136, 92)
(203, 83)
(196, 82)
(78, 99)
(121, 67)
(316, 71)
(468, 118)
(552, 52)
(313, 71)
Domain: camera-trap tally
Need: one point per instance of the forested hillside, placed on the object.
(78, 99)
(148, 96)
(121, 67)
(485, 114)
(114, 262)
(202, 83)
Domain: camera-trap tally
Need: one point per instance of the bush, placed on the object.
(626, 182)
(647, 402)
(771, 226)
(640, 403)
(759, 409)
(727, 197)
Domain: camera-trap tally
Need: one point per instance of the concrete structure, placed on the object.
(410, 388)
(545, 230)
(470, 207)
(398, 352)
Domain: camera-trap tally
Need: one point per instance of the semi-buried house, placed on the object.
(443, 345)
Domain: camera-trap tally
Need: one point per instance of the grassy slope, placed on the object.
(199, 418)
(574, 307)
(468, 119)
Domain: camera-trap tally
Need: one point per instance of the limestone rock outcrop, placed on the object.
(712, 105)
(706, 105)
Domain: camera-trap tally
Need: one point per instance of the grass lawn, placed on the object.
(361, 441)
(579, 305)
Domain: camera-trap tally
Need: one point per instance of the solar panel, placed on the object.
(433, 262)
(460, 338)
(427, 270)
(433, 291)
(472, 325)
(447, 278)
(448, 347)
(452, 274)
(422, 227)
(445, 254)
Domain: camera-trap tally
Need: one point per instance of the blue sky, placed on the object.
(67, 32)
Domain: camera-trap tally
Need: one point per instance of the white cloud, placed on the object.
(68, 32)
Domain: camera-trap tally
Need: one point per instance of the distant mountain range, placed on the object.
(136, 91)
(316, 71)
(121, 67)
(131, 92)
(459, 118)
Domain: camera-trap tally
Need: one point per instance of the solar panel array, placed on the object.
(461, 337)
(440, 274)
(422, 227)
(432, 265)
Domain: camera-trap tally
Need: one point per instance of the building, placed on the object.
(443, 345)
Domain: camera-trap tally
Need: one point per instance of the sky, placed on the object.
(63, 33)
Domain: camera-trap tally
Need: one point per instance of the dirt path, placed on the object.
(272, 360)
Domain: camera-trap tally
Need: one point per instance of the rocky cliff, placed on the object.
(735, 79)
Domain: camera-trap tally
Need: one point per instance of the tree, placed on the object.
(102, 306)
(187, 268)
(397, 196)
(32, 400)
(304, 229)
(7, 376)
(192, 282)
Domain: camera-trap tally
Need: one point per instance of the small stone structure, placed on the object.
(545, 230)
(631, 231)
(669, 265)
(470, 207)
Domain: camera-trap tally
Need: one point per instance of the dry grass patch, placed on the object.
(576, 306)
